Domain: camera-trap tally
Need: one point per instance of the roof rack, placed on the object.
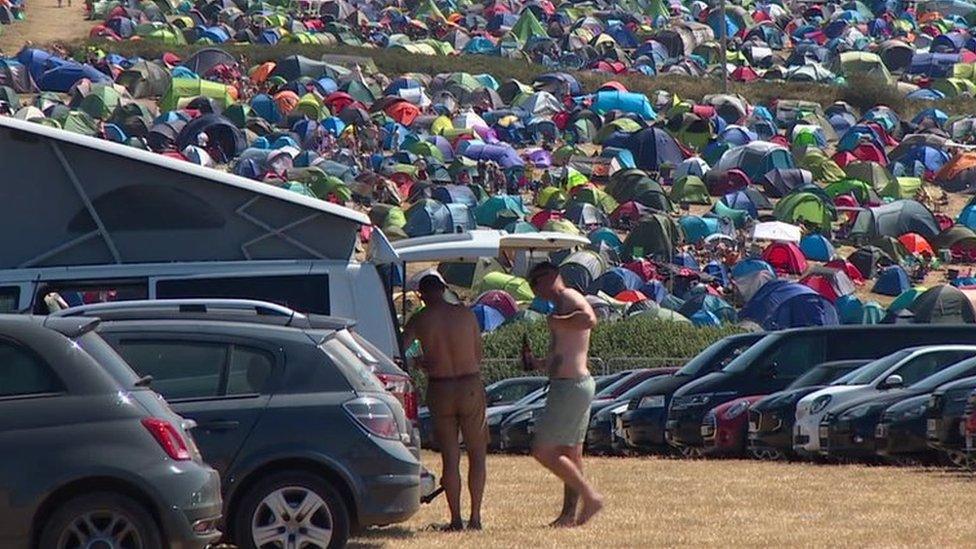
(236, 310)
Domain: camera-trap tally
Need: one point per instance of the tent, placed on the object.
(655, 235)
(652, 148)
(615, 281)
(802, 208)
(517, 287)
(628, 102)
(781, 304)
(708, 303)
(780, 182)
(500, 210)
(895, 219)
(817, 247)
(581, 268)
(892, 281)
(182, 90)
(489, 318)
(428, 217)
(503, 302)
(690, 189)
(755, 159)
(830, 283)
(943, 304)
(785, 257)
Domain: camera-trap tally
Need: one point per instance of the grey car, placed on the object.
(307, 441)
(93, 457)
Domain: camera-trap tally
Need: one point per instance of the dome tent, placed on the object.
(781, 304)
(943, 304)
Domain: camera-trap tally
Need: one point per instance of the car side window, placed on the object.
(249, 371)
(180, 369)
(797, 355)
(925, 365)
(512, 392)
(22, 373)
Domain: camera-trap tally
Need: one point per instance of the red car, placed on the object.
(725, 428)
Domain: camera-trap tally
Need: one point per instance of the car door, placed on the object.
(32, 417)
(221, 383)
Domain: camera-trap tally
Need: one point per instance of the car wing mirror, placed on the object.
(893, 381)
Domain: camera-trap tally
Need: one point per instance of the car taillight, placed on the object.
(402, 388)
(374, 415)
(168, 437)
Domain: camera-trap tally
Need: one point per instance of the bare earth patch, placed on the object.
(46, 24)
(653, 502)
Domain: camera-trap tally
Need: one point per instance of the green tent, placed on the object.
(551, 198)
(101, 101)
(872, 173)
(321, 185)
(564, 226)
(739, 218)
(310, 107)
(803, 207)
(823, 168)
(525, 28)
(901, 187)
(690, 189)
(860, 190)
(593, 195)
(500, 210)
(655, 235)
(183, 90)
(469, 274)
(387, 216)
(512, 285)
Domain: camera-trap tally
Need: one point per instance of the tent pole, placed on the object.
(723, 46)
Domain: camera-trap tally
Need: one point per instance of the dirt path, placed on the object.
(46, 24)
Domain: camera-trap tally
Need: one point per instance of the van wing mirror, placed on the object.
(893, 381)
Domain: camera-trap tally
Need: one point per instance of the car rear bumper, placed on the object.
(390, 499)
(190, 505)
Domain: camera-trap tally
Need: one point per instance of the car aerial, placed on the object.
(642, 424)
(944, 414)
(515, 430)
(852, 428)
(771, 418)
(308, 442)
(898, 369)
(500, 393)
(94, 457)
(601, 435)
(780, 357)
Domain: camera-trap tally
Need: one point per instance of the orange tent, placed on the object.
(916, 244)
(630, 296)
(955, 166)
(403, 112)
(286, 101)
(262, 72)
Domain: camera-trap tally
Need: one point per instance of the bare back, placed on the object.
(451, 339)
(570, 345)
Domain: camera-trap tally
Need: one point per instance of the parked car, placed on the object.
(779, 358)
(500, 393)
(496, 415)
(900, 436)
(971, 427)
(309, 443)
(944, 415)
(895, 371)
(725, 428)
(771, 419)
(601, 435)
(94, 458)
(852, 429)
(515, 430)
(642, 425)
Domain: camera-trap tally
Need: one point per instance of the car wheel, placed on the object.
(101, 519)
(767, 454)
(692, 452)
(291, 510)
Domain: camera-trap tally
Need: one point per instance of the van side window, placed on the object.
(794, 356)
(306, 293)
(53, 296)
(9, 299)
(22, 373)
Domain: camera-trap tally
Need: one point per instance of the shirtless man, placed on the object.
(451, 341)
(561, 429)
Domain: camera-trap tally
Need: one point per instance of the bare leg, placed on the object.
(567, 517)
(560, 460)
(447, 437)
(477, 472)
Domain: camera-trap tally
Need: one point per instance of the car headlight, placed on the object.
(859, 412)
(820, 404)
(652, 401)
(698, 400)
(736, 409)
(619, 409)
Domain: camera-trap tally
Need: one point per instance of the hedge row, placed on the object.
(614, 346)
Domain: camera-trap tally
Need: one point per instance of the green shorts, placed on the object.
(566, 417)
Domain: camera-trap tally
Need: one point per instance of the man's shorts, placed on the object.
(458, 403)
(566, 417)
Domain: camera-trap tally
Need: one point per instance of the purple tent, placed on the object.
(540, 158)
(504, 155)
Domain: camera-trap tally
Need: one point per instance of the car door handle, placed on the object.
(219, 425)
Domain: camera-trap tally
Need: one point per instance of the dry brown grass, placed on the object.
(655, 502)
(45, 24)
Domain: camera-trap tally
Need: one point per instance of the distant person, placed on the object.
(561, 429)
(451, 342)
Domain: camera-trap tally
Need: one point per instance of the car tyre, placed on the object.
(276, 503)
(110, 517)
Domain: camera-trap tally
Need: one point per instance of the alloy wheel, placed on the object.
(292, 517)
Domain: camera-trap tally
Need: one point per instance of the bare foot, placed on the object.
(590, 508)
(563, 521)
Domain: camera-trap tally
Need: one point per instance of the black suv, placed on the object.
(307, 441)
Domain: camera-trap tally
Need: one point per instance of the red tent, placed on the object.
(848, 268)
(628, 214)
(745, 74)
(916, 244)
(404, 112)
(630, 296)
(540, 219)
(644, 269)
(785, 257)
(830, 283)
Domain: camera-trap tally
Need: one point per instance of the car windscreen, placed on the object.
(531, 397)
(368, 353)
(357, 372)
(609, 390)
(640, 389)
(959, 370)
(820, 375)
(871, 371)
(717, 355)
(104, 354)
(742, 362)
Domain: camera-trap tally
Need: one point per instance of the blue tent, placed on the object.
(892, 281)
(927, 159)
(265, 107)
(851, 310)
(455, 194)
(817, 247)
(967, 216)
(63, 76)
(718, 271)
(781, 304)
(749, 266)
(461, 218)
(703, 301)
(630, 102)
(489, 318)
(606, 236)
(427, 217)
(697, 228)
(740, 200)
(704, 318)
(614, 281)
(654, 290)
(687, 260)
(651, 147)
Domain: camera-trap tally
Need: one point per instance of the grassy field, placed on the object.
(653, 502)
